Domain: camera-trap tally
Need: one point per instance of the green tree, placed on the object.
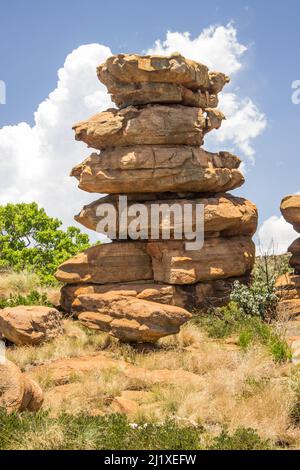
(31, 240)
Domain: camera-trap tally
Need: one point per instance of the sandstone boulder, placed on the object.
(17, 392)
(224, 215)
(290, 209)
(201, 295)
(151, 169)
(137, 94)
(32, 325)
(220, 258)
(288, 293)
(107, 263)
(150, 125)
(131, 68)
(129, 319)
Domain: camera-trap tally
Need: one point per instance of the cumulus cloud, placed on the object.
(275, 235)
(36, 161)
(219, 49)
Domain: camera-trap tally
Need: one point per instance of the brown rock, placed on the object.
(128, 318)
(124, 406)
(131, 68)
(202, 295)
(136, 94)
(152, 125)
(17, 392)
(290, 209)
(151, 169)
(288, 293)
(30, 325)
(224, 215)
(107, 263)
(220, 258)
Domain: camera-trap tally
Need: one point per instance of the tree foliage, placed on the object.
(31, 240)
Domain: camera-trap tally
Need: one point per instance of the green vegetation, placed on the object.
(33, 298)
(113, 432)
(31, 240)
(241, 439)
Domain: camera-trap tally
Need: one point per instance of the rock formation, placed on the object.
(17, 391)
(288, 285)
(138, 287)
(30, 325)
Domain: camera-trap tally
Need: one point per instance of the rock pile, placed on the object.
(150, 151)
(288, 285)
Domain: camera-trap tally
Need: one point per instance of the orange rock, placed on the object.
(30, 324)
(151, 169)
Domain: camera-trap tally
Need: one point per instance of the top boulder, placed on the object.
(290, 209)
(175, 69)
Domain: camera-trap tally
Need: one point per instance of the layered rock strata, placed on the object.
(140, 287)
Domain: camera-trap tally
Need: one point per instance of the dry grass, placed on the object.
(12, 283)
(239, 389)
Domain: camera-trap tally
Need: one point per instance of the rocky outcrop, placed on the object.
(218, 259)
(138, 287)
(154, 169)
(107, 263)
(224, 215)
(129, 318)
(18, 392)
(150, 125)
(288, 285)
(32, 325)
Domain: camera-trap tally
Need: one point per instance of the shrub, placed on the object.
(33, 298)
(241, 439)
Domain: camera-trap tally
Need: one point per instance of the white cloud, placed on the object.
(275, 235)
(36, 161)
(219, 49)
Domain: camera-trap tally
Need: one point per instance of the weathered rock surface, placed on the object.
(290, 209)
(220, 258)
(137, 94)
(131, 68)
(150, 125)
(204, 294)
(151, 169)
(294, 249)
(129, 319)
(32, 325)
(107, 263)
(17, 392)
(224, 215)
(288, 293)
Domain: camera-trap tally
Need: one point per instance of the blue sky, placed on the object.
(36, 37)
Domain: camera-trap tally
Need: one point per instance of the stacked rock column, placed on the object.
(288, 285)
(150, 151)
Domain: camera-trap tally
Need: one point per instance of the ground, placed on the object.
(221, 383)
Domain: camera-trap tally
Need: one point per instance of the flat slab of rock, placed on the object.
(204, 294)
(137, 94)
(107, 263)
(220, 258)
(30, 325)
(290, 209)
(132, 68)
(18, 392)
(158, 169)
(150, 125)
(224, 215)
(129, 319)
